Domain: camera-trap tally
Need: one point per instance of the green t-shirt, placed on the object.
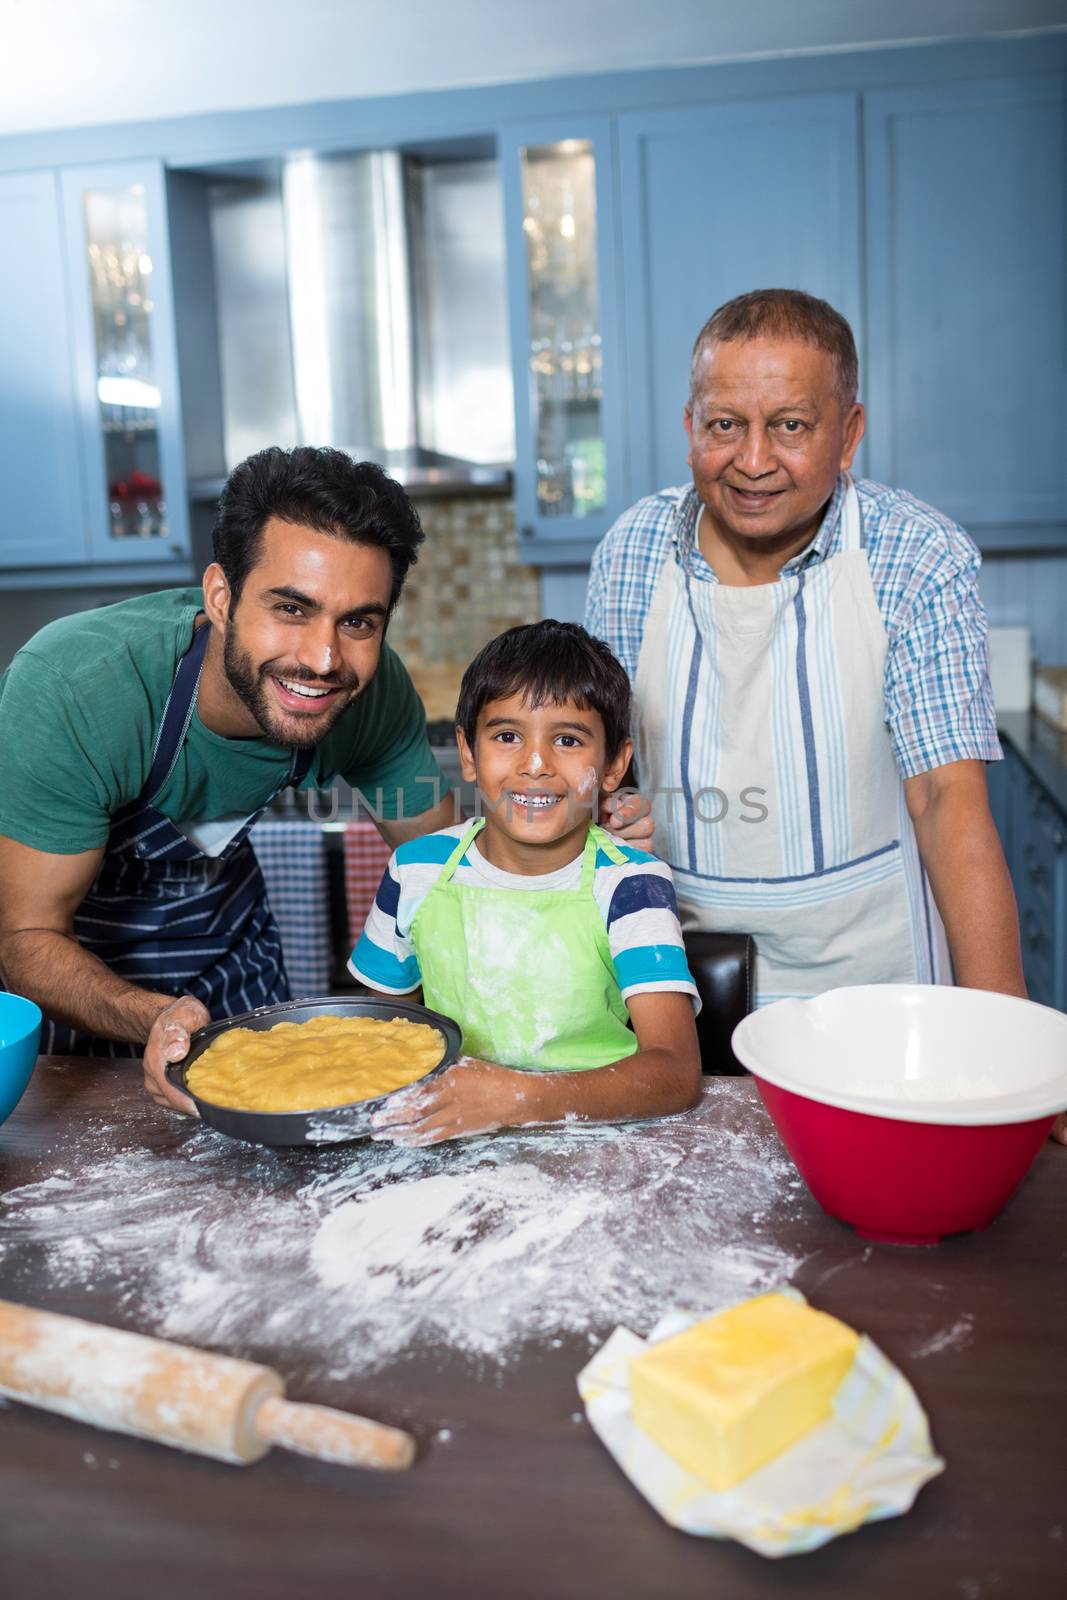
(81, 704)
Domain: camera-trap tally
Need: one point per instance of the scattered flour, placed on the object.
(360, 1255)
(956, 1337)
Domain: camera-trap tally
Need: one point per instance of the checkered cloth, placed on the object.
(292, 856)
(366, 858)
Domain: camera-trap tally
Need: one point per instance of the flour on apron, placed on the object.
(527, 973)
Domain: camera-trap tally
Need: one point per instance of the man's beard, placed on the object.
(252, 686)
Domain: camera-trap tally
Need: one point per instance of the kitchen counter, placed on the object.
(458, 1292)
(1041, 747)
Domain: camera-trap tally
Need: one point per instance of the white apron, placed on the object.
(763, 711)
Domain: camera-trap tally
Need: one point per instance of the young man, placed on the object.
(532, 927)
(139, 742)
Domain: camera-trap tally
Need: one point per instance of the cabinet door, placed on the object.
(966, 267)
(40, 515)
(129, 412)
(717, 200)
(570, 478)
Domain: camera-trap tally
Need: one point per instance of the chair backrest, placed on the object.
(722, 965)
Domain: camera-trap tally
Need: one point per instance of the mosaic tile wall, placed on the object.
(468, 584)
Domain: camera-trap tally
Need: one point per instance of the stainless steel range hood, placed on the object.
(362, 304)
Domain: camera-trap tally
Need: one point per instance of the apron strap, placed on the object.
(461, 850)
(177, 714)
(598, 839)
(608, 845)
(852, 534)
(299, 767)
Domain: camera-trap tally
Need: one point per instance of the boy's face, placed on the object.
(539, 771)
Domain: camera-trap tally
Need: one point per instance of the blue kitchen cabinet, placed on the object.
(1033, 829)
(125, 364)
(40, 519)
(967, 310)
(716, 200)
(571, 480)
(1039, 873)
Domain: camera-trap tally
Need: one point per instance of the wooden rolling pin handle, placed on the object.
(335, 1436)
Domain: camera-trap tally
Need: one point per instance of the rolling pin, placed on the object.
(211, 1404)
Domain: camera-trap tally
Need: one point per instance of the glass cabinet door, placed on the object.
(565, 359)
(569, 481)
(129, 404)
(41, 519)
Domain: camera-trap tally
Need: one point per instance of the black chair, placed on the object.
(723, 967)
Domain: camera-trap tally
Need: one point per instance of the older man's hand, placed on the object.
(628, 815)
(169, 1042)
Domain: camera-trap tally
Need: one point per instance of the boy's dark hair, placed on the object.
(548, 663)
(784, 314)
(315, 488)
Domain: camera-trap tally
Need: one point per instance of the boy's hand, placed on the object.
(471, 1097)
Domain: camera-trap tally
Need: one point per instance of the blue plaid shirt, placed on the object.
(924, 568)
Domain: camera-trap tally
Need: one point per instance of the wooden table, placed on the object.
(521, 1500)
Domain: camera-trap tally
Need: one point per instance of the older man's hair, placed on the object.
(783, 314)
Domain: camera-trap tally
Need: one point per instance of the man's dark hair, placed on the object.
(313, 488)
(784, 314)
(548, 663)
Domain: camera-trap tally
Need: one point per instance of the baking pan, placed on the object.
(332, 1125)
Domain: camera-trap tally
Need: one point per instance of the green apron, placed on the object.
(527, 973)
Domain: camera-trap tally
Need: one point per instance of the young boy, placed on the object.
(540, 934)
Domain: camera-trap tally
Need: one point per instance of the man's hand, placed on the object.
(168, 1042)
(629, 817)
(471, 1097)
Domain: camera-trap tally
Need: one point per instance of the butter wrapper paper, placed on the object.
(868, 1461)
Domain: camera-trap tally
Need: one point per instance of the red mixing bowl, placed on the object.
(910, 1111)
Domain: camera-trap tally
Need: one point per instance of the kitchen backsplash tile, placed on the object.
(468, 584)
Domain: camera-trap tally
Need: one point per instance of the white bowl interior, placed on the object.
(914, 1052)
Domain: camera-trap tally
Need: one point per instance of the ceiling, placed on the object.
(69, 62)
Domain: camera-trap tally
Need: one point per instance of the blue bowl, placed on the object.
(20, 1034)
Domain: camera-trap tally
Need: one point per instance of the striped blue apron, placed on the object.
(760, 725)
(166, 917)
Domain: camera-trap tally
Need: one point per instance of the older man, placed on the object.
(812, 700)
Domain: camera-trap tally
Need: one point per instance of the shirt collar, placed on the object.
(684, 526)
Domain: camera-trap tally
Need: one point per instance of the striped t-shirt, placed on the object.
(636, 900)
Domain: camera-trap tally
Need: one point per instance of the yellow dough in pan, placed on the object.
(312, 1066)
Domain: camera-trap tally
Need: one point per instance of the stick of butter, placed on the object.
(730, 1394)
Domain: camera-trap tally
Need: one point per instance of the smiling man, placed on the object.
(812, 706)
(139, 742)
